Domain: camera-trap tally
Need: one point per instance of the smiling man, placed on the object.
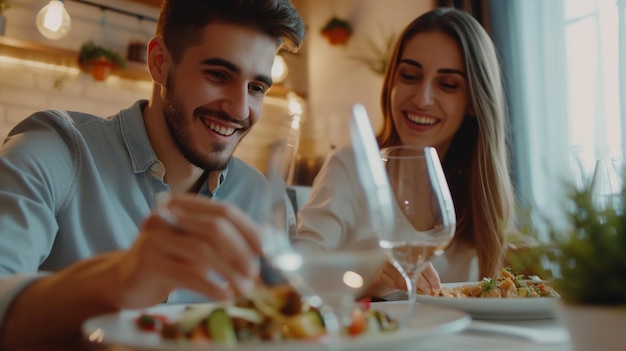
(101, 214)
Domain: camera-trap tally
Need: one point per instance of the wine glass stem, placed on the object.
(413, 288)
(411, 279)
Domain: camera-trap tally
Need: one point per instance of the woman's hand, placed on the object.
(390, 280)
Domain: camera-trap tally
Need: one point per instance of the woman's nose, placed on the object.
(423, 95)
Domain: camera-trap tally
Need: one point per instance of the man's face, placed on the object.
(214, 95)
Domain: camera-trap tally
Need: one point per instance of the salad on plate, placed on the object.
(269, 313)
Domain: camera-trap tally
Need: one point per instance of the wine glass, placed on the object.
(425, 217)
(331, 279)
(607, 183)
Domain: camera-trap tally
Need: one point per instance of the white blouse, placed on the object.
(335, 216)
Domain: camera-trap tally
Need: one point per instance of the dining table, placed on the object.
(519, 335)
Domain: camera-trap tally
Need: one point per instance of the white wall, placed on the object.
(335, 80)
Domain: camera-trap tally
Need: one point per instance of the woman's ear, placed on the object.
(158, 58)
(471, 112)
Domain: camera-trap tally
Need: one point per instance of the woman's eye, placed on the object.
(449, 86)
(409, 77)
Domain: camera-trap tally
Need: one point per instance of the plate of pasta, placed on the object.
(507, 297)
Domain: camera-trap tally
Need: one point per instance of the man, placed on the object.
(79, 233)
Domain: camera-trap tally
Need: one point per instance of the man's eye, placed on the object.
(217, 75)
(257, 89)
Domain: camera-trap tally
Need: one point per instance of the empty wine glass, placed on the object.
(425, 217)
(607, 183)
(330, 279)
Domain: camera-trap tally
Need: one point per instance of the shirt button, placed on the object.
(155, 167)
(162, 197)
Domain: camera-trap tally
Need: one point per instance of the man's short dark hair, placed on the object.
(181, 21)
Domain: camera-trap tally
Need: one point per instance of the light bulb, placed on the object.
(279, 69)
(53, 21)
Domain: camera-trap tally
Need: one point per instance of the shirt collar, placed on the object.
(140, 149)
(135, 137)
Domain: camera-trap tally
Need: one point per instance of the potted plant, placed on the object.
(337, 31)
(591, 264)
(98, 60)
(374, 55)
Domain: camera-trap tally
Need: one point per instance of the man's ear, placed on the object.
(158, 60)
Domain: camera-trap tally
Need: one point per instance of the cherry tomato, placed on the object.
(151, 322)
(364, 303)
(358, 322)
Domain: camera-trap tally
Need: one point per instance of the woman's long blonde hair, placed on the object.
(476, 164)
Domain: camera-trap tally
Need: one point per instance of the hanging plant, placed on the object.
(99, 61)
(5, 5)
(374, 55)
(337, 31)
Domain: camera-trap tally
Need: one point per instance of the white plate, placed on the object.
(520, 308)
(429, 322)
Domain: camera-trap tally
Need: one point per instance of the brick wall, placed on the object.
(24, 90)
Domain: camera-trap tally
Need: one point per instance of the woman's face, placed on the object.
(430, 95)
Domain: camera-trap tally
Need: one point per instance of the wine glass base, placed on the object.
(396, 296)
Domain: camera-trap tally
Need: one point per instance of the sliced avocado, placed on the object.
(374, 323)
(220, 327)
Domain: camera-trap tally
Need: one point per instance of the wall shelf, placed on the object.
(33, 51)
(153, 3)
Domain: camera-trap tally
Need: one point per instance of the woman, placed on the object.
(442, 88)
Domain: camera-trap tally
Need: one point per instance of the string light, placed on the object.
(279, 69)
(53, 21)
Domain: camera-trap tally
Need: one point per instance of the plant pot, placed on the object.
(337, 36)
(100, 70)
(594, 328)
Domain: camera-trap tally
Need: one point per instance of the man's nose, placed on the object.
(236, 103)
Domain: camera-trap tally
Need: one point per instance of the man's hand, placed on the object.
(206, 236)
(181, 248)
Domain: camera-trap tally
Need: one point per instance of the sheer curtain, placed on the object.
(564, 63)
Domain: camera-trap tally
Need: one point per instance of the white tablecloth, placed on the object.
(473, 340)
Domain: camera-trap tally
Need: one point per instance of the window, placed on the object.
(564, 64)
(592, 41)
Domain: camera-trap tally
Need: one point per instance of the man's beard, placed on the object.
(178, 126)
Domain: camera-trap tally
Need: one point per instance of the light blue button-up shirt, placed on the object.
(73, 185)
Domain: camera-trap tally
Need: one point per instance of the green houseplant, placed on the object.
(375, 56)
(98, 60)
(590, 258)
(5, 5)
